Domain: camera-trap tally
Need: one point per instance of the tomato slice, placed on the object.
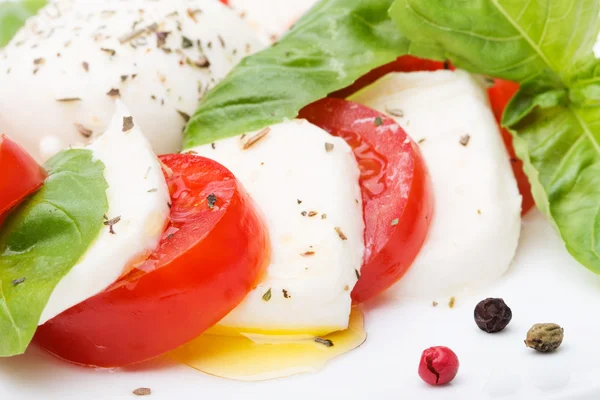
(401, 64)
(20, 175)
(212, 254)
(500, 94)
(396, 189)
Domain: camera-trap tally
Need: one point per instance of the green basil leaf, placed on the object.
(533, 94)
(560, 148)
(584, 82)
(13, 15)
(510, 39)
(334, 44)
(44, 238)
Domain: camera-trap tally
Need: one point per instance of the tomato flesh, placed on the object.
(20, 175)
(500, 94)
(395, 184)
(210, 257)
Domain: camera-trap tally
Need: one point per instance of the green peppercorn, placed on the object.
(544, 337)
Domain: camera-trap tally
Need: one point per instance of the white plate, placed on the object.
(544, 285)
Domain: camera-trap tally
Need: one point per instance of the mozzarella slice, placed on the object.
(138, 194)
(476, 223)
(272, 24)
(311, 201)
(69, 63)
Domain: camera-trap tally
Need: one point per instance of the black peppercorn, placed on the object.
(492, 315)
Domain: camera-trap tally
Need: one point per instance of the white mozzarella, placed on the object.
(138, 194)
(476, 222)
(280, 17)
(290, 173)
(66, 53)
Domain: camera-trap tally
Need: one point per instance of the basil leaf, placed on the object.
(13, 15)
(44, 238)
(509, 39)
(334, 44)
(530, 95)
(584, 82)
(560, 148)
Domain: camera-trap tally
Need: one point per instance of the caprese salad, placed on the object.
(349, 159)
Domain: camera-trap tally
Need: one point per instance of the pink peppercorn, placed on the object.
(438, 365)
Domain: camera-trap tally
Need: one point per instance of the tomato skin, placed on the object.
(20, 175)
(196, 276)
(500, 94)
(396, 189)
(401, 64)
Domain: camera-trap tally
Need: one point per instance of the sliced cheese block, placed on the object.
(280, 17)
(138, 210)
(310, 198)
(61, 73)
(476, 223)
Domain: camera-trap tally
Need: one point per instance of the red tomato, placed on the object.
(20, 175)
(500, 94)
(208, 260)
(401, 64)
(395, 184)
